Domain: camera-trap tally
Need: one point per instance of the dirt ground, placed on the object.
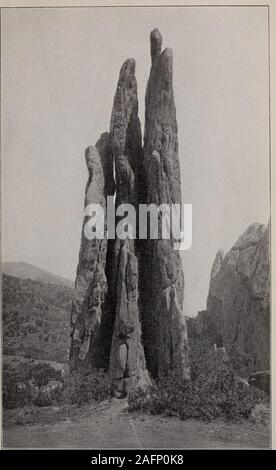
(109, 425)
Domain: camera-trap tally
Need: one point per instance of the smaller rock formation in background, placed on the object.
(238, 304)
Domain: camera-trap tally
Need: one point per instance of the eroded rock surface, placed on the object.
(127, 314)
(238, 304)
(127, 361)
(162, 280)
(90, 284)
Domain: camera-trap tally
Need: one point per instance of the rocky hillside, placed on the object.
(36, 319)
(238, 304)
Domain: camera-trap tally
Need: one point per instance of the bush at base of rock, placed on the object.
(81, 389)
(214, 391)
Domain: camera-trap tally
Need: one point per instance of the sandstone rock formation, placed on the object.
(127, 361)
(238, 304)
(127, 312)
(90, 285)
(162, 280)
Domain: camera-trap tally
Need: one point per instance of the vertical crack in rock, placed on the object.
(161, 278)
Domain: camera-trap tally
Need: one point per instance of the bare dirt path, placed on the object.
(109, 425)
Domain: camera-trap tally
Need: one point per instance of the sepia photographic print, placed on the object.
(136, 228)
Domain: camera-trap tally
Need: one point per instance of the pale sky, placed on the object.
(59, 73)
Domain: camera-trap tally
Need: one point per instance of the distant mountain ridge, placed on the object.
(24, 270)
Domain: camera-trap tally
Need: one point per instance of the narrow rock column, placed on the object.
(127, 361)
(90, 284)
(162, 283)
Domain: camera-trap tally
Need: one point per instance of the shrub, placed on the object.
(42, 373)
(14, 395)
(213, 391)
(26, 383)
(42, 399)
(81, 388)
(242, 362)
(42, 385)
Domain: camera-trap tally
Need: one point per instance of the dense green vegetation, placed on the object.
(214, 390)
(36, 319)
(43, 385)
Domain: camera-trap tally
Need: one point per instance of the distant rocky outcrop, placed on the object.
(238, 304)
(127, 312)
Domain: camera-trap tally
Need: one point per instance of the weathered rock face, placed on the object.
(127, 313)
(127, 361)
(104, 147)
(162, 280)
(238, 304)
(217, 264)
(90, 285)
(126, 138)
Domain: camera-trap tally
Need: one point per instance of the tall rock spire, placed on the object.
(126, 138)
(162, 280)
(90, 284)
(127, 312)
(127, 361)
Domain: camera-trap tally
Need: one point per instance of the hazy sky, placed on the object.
(59, 73)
